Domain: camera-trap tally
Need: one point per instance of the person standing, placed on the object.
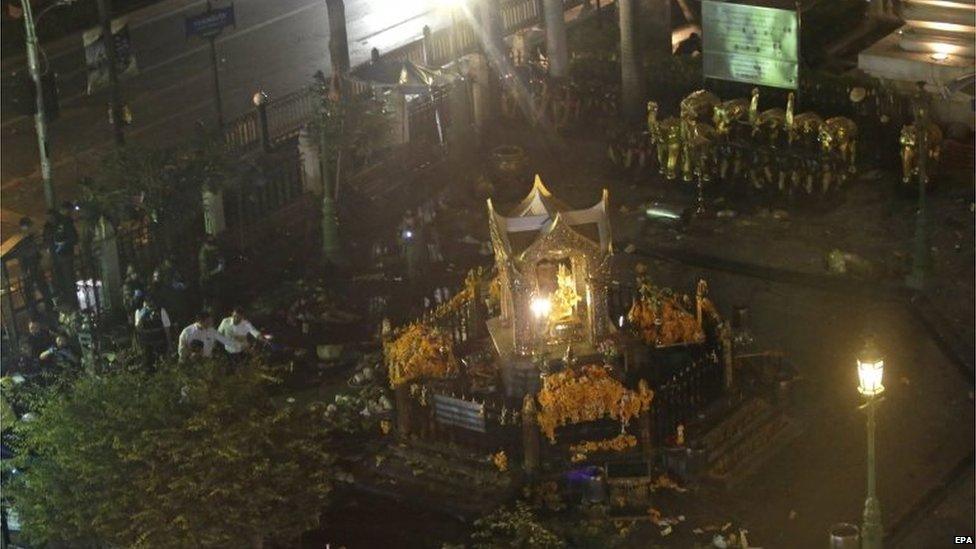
(133, 291)
(39, 338)
(201, 330)
(30, 261)
(152, 331)
(236, 328)
(212, 266)
(62, 238)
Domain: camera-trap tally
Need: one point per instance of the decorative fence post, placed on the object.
(260, 101)
(105, 248)
(530, 436)
(214, 221)
(725, 333)
(428, 57)
(645, 421)
(403, 409)
(308, 153)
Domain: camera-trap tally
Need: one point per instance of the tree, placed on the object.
(350, 129)
(188, 456)
(163, 184)
(515, 528)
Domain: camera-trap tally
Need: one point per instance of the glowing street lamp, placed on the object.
(870, 374)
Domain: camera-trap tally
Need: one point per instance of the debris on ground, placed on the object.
(847, 263)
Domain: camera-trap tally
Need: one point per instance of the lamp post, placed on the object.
(40, 117)
(870, 371)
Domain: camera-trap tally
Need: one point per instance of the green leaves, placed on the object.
(126, 460)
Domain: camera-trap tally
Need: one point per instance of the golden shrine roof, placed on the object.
(539, 213)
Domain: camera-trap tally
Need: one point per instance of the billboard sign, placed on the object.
(751, 44)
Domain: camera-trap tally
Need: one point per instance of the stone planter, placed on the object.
(508, 164)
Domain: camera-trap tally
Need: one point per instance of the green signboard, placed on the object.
(750, 44)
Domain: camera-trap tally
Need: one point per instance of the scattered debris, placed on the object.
(630, 249)
(793, 514)
(846, 263)
(725, 213)
(666, 531)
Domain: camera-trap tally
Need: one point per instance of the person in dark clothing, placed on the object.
(62, 238)
(61, 356)
(133, 291)
(212, 266)
(39, 338)
(152, 331)
(29, 256)
(169, 289)
(690, 45)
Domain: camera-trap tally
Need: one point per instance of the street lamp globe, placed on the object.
(870, 371)
(259, 98)
(540, 307)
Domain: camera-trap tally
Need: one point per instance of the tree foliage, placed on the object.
(515, 528)
(164, 184)
(188, 456)
(357, 125)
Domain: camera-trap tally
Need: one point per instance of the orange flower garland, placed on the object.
(618, 443)
(660, 320)
(587, 394)
(419, 351)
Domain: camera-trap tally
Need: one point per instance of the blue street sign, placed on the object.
(210, 23)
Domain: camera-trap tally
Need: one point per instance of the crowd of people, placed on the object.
(155, 307)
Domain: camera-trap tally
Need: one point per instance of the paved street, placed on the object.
(276, 47)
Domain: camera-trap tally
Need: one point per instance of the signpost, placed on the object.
(750, 44)
(209, 25)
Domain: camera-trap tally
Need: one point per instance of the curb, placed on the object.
(903, 525)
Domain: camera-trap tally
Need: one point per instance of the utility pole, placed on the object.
(108, 40)
(40, 118)
(216, 75)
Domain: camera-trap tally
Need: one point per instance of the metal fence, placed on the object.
(285, 115)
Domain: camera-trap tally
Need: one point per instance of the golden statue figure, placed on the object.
(565, 298)
(909, 150)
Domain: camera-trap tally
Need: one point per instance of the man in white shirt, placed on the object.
(203, 331)
(236, 328)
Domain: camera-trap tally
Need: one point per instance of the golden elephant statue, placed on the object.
(838, 135)
(769, 123)
(728, 113)
(701, 158)
(699, 104)
(652, 124)
(669, 146)
(804, 129)
(909, 151)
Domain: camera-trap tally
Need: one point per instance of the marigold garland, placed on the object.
(618, 443)
(659, 319)
(420, 350)
(587, 394)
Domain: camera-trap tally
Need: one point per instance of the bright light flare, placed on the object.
(540, 306)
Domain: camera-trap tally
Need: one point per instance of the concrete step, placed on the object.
(751, 451)
(744, 418)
